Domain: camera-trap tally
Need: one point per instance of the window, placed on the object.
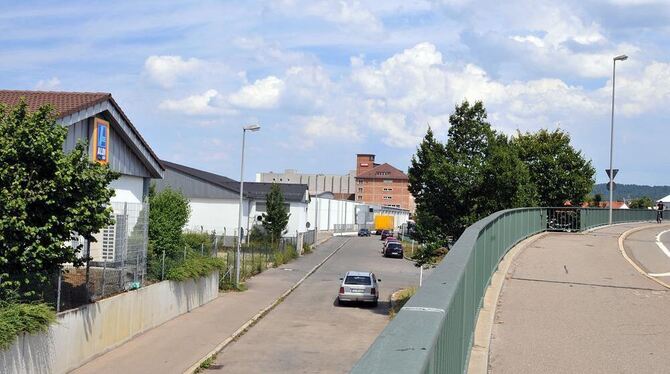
(358, 181)
(360, 189)
(358, 280)
(359, 197)
(383, 173)
(388, 197)
(388, 189)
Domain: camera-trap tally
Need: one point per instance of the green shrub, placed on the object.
(16, 319)
(195, 266)
(306, 248)
(196, 240)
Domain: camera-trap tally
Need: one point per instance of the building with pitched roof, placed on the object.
(97, 119)
(381, 184)
(214, 200)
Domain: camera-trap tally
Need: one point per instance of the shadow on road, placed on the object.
(381, 308)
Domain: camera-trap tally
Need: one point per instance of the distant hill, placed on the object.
(632, 191)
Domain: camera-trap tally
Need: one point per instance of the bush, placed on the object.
(16, 319)
(194, 267)
(306, 248)
(430, 253)
(196, 240)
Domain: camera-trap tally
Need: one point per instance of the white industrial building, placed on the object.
(214, 200)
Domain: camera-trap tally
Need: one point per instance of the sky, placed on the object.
(328, 79)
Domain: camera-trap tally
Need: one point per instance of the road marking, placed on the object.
(660, 244)
(637, 267)
(660, 274)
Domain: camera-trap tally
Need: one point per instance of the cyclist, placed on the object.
(659, 212)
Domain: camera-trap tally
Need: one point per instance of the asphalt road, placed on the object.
(650, 249)
(308, 332)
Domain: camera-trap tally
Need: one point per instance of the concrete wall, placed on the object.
(84, 333)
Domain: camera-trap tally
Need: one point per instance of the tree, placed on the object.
(276, 218)
(425, 184)
(641, 203)
(47, 198)
(476, 173)
(168, 214)
(559, 172)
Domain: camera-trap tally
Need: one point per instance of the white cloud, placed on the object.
(643, 91)
(326, 127)
(262, 94)
(193, 105)
(48, 85)
(166, 70)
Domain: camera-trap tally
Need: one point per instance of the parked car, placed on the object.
(386, 234)
(359, 286)
(393, 249)
(363, 232)
(388, 240)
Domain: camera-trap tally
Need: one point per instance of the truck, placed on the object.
(384, 222)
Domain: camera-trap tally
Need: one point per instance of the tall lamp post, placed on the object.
(239, 229)
(611, 172)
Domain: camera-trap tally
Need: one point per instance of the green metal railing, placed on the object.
(433, 332)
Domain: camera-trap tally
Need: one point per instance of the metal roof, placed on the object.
(252, 190)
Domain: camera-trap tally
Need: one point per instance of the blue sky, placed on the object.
(328, 79)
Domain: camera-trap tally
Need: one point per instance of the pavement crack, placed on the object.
(586, 284)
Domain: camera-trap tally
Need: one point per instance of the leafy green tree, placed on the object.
(426, 185)
(168, 214)
(47, 198)
(276, 218)
(558, 171)
(641, 203)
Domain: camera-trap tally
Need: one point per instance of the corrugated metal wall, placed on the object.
(192, 187)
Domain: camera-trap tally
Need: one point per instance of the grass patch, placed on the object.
(228, 285)
(398, 300)
(195, 267)
(16, 319)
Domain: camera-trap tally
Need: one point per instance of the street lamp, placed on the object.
(239, 229)
(611, 173)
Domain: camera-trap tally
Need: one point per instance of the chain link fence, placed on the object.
(117, 260)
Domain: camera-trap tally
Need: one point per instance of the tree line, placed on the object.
(479, 171)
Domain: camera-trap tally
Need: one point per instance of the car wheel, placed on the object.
(340, 302)
(375, 303)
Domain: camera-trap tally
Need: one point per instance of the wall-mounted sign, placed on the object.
(364, 164)
(100, 141)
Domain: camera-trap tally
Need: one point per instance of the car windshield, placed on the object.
(362, 280)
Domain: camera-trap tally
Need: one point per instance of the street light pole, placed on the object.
(611, 172)
(239, 222)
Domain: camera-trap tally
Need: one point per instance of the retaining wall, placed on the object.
(81, 334)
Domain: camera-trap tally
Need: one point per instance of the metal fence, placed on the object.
(118, 260)
(433, 332)
(256, 257)
(310, 237)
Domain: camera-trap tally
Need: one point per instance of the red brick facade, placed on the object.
(381, 184)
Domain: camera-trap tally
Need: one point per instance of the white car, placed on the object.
(359, 286)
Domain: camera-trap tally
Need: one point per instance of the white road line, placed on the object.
(660, 274)
(660, 244)
(665, 250)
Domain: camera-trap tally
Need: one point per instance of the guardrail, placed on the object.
(433, 332)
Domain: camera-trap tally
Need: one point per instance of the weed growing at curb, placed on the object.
(398, 300)
(206, 364)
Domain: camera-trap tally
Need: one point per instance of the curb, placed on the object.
(240, 331)
(481, 342)
(637, 267)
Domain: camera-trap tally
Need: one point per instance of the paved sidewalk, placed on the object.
(179, 343)
(571, 303)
